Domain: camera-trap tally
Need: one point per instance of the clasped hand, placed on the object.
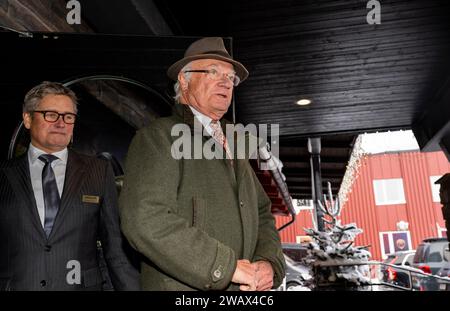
(256, 276)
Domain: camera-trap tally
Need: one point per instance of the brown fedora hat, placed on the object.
(210, 48)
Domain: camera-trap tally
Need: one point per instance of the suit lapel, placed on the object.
(75, 172)
(188, 118)
(19, 177)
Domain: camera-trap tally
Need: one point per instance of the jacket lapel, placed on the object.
(190, 120)
(19, 177)
(75, 172)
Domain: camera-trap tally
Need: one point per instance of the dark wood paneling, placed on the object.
(360, 77)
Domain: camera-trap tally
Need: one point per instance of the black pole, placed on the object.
(314, 148)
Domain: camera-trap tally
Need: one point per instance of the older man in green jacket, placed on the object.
(200, 223)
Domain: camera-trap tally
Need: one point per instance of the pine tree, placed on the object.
(332, 255)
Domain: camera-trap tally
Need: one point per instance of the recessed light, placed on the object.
(303, 102)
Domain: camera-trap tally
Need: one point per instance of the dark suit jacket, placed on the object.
(30, 261)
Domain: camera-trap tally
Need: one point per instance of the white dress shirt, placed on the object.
(204, 120)
(36, 166)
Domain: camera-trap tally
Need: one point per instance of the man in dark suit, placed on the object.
(56, 204)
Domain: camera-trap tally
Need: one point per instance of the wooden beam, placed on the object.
(45, 16)
(131, 107)
(152, 17)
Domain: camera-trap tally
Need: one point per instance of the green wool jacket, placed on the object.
(192, 219)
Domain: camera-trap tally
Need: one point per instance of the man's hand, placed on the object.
(264, 275)
(245, 275)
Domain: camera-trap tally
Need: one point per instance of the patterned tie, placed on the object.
(50, 189)
(218, 135)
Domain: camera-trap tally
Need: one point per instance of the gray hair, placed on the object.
(37, 93)
(177, 87)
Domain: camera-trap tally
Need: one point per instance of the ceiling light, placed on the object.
(303, 102)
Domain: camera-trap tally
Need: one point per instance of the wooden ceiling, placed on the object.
(360, 77)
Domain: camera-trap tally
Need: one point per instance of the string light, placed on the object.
(353, 169)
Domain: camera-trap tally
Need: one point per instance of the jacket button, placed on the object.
(43, 283)
(47, 248)
(217, 273)
(241, 204)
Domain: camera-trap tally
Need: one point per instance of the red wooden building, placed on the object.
(393, 199)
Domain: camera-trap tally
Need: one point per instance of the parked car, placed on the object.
(444, 272)
(430, 257)
(398, 276)
(297, 273)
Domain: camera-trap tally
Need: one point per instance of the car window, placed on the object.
(389, 259)
(398, 260)
(420, 254)
(409, 259)
(295, 254)
(431, 251)
(436, 251)
(434, 257)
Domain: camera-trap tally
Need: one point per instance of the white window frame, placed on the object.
(435, 189)
(379, 184)
(442, 231)
(299, 205)
(391, 241)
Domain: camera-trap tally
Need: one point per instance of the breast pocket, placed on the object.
(91, 203)
(90, 209)
(92, 279)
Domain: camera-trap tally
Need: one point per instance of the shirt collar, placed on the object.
(34, 153)
(204, 120)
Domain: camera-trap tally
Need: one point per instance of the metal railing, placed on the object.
(382, 277)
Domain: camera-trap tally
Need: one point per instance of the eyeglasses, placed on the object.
(214, 74)
(53, 116)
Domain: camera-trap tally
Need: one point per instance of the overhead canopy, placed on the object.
(359, 77)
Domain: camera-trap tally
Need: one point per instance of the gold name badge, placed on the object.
(90, 199)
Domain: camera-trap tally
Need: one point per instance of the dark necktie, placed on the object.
(50, 190)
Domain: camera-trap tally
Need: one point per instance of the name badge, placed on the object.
(90, 199)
